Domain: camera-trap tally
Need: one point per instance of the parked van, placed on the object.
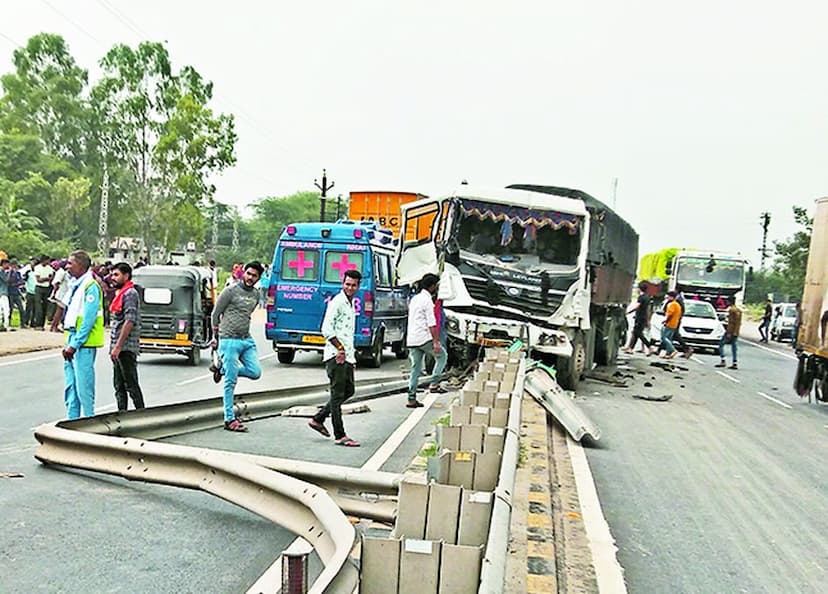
(309, 264)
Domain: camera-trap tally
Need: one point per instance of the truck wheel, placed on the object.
(400, 352)
(285, 356)
(375, 356)
(804, 379)
(606, 343)
(194, 356)
(570, 369)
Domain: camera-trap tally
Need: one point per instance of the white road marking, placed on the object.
(210, 375)
(274, 573)
(774, 351)
(608, 570)
(106, 408)
(697, 360)
(29, 360)
(731, 378)
(772, 399)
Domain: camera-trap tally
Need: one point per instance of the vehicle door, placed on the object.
(390, 302)
(338, 259)
(425, 230)
(299, 303)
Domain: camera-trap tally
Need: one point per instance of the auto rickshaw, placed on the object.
(176, 305)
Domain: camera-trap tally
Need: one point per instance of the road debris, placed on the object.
(11, 475)
(663, 398)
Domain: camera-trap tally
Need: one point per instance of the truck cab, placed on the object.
(522, 263)
(309, 263)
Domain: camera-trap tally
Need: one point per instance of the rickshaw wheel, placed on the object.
(194, 356)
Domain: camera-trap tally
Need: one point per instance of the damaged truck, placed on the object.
(812, 340)
(553, 267)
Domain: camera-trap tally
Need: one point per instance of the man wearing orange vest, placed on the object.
(84, 331)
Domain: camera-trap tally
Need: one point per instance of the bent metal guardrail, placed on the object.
(120, 444)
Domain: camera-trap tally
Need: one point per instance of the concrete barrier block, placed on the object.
(494, 439)
(461, 415)
(471, 438)
(469, 397)
(502, 400)
(498, 417)
(379, 565)
(411, 510)
(492, 386)
(486, 471)
(461, 469)
(486, 399)
(419, 567)
(475, 515)
(437, 468)
(448, 437)
(452, 579)
(480, 415)
(443, 512)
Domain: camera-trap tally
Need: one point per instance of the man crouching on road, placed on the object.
(340, 358)
(231, 332)
(84, 330)
(423, 338)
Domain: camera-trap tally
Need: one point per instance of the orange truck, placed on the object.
(384, 209)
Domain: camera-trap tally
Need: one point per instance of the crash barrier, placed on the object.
(119, 444)
(449, 532)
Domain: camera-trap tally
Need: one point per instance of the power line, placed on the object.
(10, 40)
(129, 23)
(74, 23)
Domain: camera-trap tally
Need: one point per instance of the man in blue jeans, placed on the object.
(231, 331)
(423, 338)
(731, 335)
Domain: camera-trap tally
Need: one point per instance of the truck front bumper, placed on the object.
(489, 331)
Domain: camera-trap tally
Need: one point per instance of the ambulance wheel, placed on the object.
(194, 357)
(375, 355)
(285, 356)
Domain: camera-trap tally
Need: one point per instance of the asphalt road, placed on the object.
(67, 531)
(721, 489)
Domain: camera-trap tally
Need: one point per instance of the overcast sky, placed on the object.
(708, 113)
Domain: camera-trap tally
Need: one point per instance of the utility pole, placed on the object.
(235, 243)
(214, 237)
(614, 191)
(103, 216)
(324, 188)
(765, 218)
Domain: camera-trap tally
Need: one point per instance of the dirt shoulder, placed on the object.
(26, 340)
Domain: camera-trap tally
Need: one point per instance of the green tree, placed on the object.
(156, 124)
(44, 97)
(271, 214)
(791, 256)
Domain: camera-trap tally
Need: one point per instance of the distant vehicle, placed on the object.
(812, 341)
(783, 322)
(700, 274)
(700, 326)
(385, 209)
(309, 264)
(176, 305)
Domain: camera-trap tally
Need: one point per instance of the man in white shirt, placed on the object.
(340, 358)
(423, 338)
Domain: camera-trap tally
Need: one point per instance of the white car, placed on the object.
(700, 327)
(783, 321)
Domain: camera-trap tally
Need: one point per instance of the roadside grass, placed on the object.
(754, 311)
(430, 448)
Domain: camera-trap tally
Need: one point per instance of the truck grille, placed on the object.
(526, 300)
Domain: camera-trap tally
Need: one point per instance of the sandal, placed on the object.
(347, 442)
(235, 425)
(319, 428)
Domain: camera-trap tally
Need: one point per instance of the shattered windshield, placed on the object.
(711, 272)
(520, 237)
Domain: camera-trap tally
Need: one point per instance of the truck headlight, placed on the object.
(453, 324)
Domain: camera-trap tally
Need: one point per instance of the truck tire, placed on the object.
(571, 369)
(374, 358)
(399, 348)
(194, 356)
(804, 378)
(607, 341)
(285, 356)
